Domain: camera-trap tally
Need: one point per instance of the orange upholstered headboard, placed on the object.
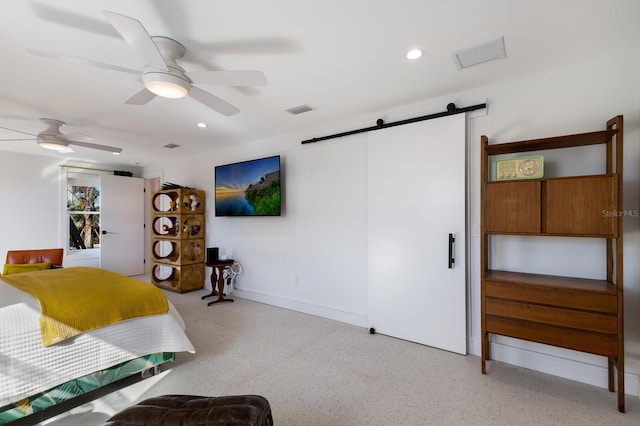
(52, 256)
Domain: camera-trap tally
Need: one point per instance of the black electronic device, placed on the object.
(212, 254)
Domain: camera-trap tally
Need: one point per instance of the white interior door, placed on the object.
(122, 224)
(416, 199)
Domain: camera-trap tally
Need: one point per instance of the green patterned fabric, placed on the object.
(80, 386)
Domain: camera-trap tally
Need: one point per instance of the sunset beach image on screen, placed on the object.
(248, 188)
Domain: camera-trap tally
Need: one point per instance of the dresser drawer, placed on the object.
(553, 296)
(562, 317)
(579, 340)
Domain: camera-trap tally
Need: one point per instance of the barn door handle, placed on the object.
(452, 240)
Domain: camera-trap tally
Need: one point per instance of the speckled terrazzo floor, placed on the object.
(316, 371)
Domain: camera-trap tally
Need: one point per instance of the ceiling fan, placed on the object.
(162, 76)
(53, 138)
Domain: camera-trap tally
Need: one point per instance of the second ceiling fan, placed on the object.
(162, 76)
(53, 138)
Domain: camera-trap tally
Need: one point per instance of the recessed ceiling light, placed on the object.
(202, 125)
(414, 54)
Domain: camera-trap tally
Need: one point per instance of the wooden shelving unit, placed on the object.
(178, 226)
(575, 313)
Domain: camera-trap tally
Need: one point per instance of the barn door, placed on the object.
(416, 219)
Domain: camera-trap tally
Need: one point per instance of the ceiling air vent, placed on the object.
(479, 54)
(299, 109)
(170, 145)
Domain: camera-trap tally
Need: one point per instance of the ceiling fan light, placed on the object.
(52, 144)
(167, 90)
(166, 85)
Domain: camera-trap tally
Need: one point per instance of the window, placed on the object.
(83, 210)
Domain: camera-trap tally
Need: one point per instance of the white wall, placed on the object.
(29, 191)
(313, 259)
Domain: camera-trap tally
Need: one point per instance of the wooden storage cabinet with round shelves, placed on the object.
(178, 278)
(178, 252)
(177, 201)
(178, 230)
(574, 313)
(180, 226)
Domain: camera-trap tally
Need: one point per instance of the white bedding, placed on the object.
(26, 367)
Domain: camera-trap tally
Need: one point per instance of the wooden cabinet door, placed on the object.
(581, 205)
(513, 207)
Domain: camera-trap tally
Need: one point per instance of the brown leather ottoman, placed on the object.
(188, 410)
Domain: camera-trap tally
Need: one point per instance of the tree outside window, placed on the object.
(83, 207)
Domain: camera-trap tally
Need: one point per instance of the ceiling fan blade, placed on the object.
(14, 139)
(137, 36)
(83, 61)
(70, 19)
(228, 78)
(76, 137)
(17, 131)
(96, 146)
(212, 101)
(141, 98)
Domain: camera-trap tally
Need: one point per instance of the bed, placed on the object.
(35, 376)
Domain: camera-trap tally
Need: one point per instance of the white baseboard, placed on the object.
(329, 312)
(578, 370)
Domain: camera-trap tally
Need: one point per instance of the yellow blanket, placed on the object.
(78, 299)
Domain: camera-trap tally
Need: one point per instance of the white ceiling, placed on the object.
(342, 57)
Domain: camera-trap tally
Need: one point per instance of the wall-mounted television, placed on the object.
(249, 188)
